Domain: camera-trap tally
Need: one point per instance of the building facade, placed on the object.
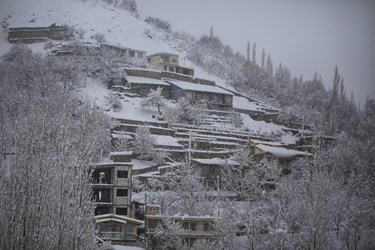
(193, 228)
(112, 185)
(170, 63)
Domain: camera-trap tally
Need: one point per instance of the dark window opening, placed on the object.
(122, 192)
(122, 211)
(102, 210)
(101, 195)
(122, 174)
(206, 227)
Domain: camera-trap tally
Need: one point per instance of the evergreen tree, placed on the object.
(269, 66)
(263, 59)
(248, 52)
(254, 54)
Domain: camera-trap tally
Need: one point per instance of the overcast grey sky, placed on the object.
(306, 35)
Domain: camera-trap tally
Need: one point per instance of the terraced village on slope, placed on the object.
(175, 129)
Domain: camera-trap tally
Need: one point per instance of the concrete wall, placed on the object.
(143, 73)
(30, 35)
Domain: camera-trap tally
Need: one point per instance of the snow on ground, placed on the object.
(165, 140)
(117, 247)
(119, 26)
(94, 91)
(260, 127)
(243, 103)
(288, 139)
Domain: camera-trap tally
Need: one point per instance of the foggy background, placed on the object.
(307, 36)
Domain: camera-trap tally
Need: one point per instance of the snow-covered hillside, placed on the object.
(119, 28)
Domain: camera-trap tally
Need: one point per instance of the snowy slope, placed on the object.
(119, 26)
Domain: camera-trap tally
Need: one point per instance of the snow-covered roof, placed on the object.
(280, 151)
(121, 153)
(118, 247)
(166, 140)
(198, 87)
(163, 53)
(121, 136)
(148, 174)
(216, 161)
(111, 219)
(269, 143)
(141, 164)
(144, 80)
(117, 218)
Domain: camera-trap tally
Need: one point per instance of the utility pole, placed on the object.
(218, 194)
(190, 147)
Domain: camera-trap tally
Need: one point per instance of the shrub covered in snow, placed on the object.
(158, 23)
(99, 37)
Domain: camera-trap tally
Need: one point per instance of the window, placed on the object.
(165, 67)
(122, 174)
(193, 226)
(140, 55)
(200, 96)
(192, 241)
(131, 53)
(122, 211)
(189, 241)
(102, 210)
(228, 99)
(128, 228)
(152, 223)
(174, 60)
(185, 225)
(206, 227)
(171, 69)
(164, 58)
(122, 193)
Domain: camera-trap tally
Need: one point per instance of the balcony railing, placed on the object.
(116, 236)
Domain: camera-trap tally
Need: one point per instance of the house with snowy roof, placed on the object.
(142, 86)
(132, 56)
(266, 152)
(118, 229)
(38, 34)
(213, 96)
(210, 169)
(193, 228)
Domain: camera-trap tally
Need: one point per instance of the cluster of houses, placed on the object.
(118, 217)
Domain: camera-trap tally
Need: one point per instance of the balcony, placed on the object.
(102, 196)
(117, 236)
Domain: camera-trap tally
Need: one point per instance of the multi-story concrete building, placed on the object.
(112, 185)
(169, 62)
